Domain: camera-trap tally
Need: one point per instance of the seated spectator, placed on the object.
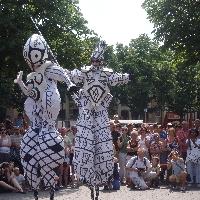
(19, 177)
(154, 172)
(138, 168)
(179, 173)
(4, 183)
(5, 144)
(10, 178)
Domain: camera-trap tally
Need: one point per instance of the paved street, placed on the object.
(125, 193)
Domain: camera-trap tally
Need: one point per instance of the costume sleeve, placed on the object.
(57, 73)
(24, 88)
(118, 79)
(76, 76)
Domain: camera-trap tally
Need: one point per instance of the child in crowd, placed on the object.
(179, 173)
(154, 172)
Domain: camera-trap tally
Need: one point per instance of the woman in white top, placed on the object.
(193, 157)
(144, 141)
(5, 144)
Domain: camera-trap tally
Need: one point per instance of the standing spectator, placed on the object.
(182, 135)
(132, 151)
(172, 141)
(115, 136)
(155, 146)
(162, 133)
(144, 141)
(164, 152)
(197, 124)
(116, 119)
(150, 131)
(192, 158)
(130, 127)
(122, 144)
(19, 121)
(16, 139)
(5, 144)
(71, 154)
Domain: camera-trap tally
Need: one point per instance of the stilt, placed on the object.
(52, 193)
(97, 192)
(92, 192)
(35, 193)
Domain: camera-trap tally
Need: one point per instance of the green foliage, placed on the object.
(176, 23)
(63, 27)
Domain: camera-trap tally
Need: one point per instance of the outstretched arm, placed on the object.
(21, 84)
(57, 73)
(118, 79)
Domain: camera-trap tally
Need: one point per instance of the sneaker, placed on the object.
(189, 184)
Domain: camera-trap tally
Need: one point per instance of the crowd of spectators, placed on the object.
(145, 156)
(12, 177)
(151, 155)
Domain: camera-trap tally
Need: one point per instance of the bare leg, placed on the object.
(16, 184)
(8, 187)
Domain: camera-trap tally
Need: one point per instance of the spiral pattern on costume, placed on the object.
(34, 94)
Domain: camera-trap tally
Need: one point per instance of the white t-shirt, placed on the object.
(193, 152)
(136, 162)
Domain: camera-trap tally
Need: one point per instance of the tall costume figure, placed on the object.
(93, 158)
(42, 149)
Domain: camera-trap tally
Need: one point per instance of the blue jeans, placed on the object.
(192, 170)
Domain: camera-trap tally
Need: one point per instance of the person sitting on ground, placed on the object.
(179, 173)
(138, 168)
(4, 183)
(155, 172)
(19, 177)
(10, 178)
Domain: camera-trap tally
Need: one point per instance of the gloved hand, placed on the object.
(73, 89)
(19, 77)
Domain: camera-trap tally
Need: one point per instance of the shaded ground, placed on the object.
(83, 193)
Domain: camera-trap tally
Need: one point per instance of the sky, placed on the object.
(116, 21)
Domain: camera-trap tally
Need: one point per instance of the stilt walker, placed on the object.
(42, 149)
(93, 157)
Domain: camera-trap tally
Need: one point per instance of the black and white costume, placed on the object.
(42, 149)
(93, 158)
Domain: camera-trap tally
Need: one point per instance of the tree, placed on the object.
(63, 27)
(176, 24)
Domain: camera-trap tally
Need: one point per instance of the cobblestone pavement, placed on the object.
(83, 193)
